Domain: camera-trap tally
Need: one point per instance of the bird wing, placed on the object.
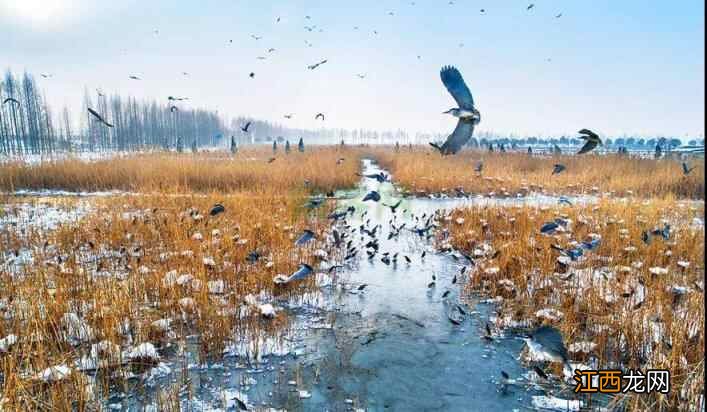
(591, 144)
(459, 137)
(10, 99)
(454, 83)
(588, 133)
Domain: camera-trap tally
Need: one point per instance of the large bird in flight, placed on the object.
(592, 139)
(99, 117)
(10, 100)
(466, 112)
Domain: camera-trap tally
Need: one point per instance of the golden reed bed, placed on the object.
(423, 170)
(640, 305)
(325, 169)
(154, 267)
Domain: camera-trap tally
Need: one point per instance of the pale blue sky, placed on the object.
(616, 66)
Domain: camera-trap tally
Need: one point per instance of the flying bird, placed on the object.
(318, 116)
(559, 168)
(134, 77)
(252, 75)
(466, 112)
(289, 116)
(302, 272)
(245, 128)
(99, 117)
(361, 76)
(592, 139)
(173, 109)
(216, 209)
(45, 75)
(305, 237)
(686, 169)
(11, 100)
(372, 195)
(558, 16)
(256, 37)
(379, 177)
(394, 207)
(314, 66)
(530, 6)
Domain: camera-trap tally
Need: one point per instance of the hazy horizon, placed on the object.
(615, 68)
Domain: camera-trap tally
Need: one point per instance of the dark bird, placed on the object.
(218, 208)
(592, 139)
(548, 341)
(646, 237)
(305, 237)
(134, 77)
(173, 109)
(245, 128)
(686, 169)
(362, 286)
(302, 272)
(272, 159)
(504, 375)
(10, 100)
(315, 65)
(549, 228)
(488, 335)
(99, 117)
(256, 37)
(540, 372)
(479, 167)
(361, 76)
(559, 168)
(45, 75)
(252, 75)
(379, 177)
(530, 6)
(558, 16)
(288, 116)
(372, 195)
(466, 112)
(318, 116)
(394, 207)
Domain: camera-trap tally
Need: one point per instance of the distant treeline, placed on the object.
(28, 126)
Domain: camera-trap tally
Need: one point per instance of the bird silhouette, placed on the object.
(686, 169)
(315, 65)
(558, 16)
(173, 109)
(99, 117)
(11, 100)
(134, 77)
(318, 116)
(592, 139)
(245, 128)
(394, 207)
(466, 112)
(559, 168)
(372, 195)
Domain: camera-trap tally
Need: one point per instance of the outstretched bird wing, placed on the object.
(99, 117)
(591, 144)
(589, 133)
(454, 83)
(10, 99)
(459, 137)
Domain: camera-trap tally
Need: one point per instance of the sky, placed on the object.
(616, 67)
